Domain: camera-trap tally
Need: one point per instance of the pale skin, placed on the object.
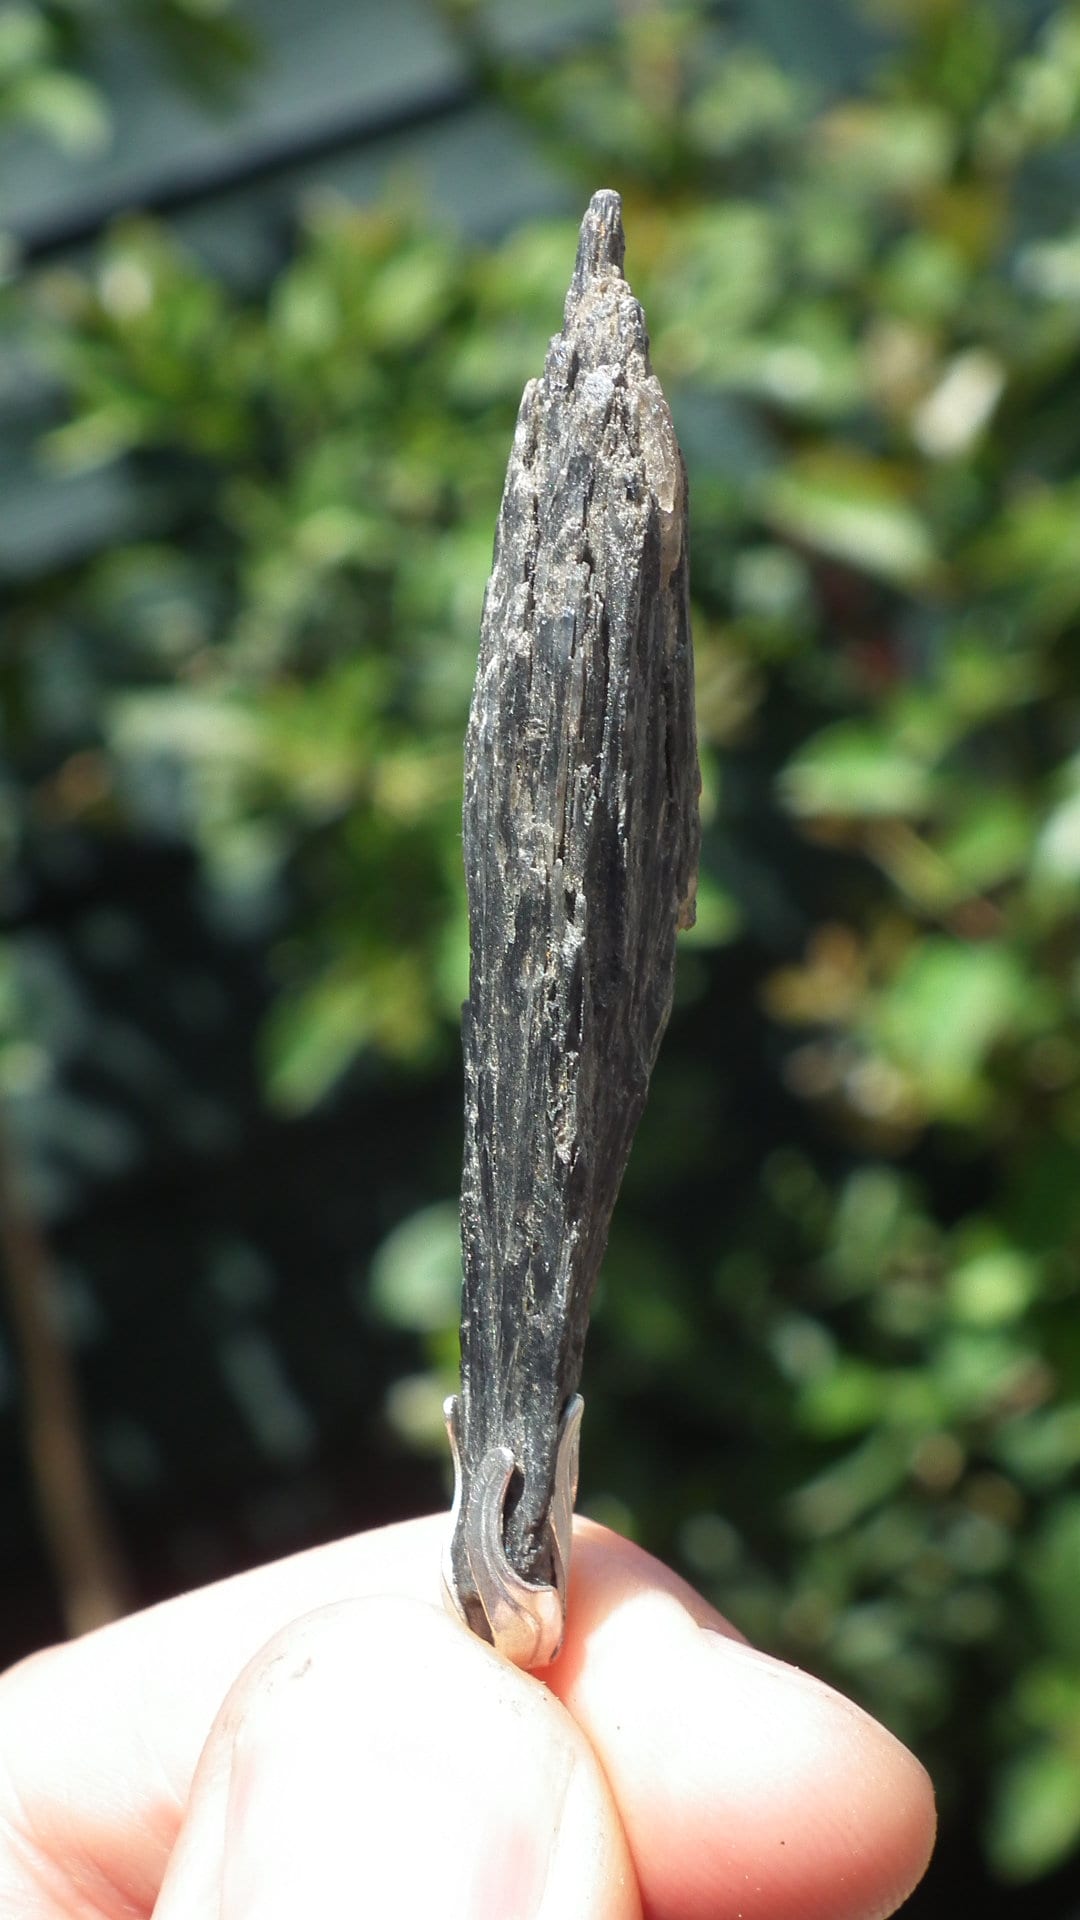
(317, 1740)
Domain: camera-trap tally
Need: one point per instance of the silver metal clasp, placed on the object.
(525, 1620)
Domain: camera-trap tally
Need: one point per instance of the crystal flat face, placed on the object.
(581, 841)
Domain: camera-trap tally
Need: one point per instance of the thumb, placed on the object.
(376, 1758)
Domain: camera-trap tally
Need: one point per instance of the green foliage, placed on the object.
(38, 91)
(45, 45)
(837, 1367)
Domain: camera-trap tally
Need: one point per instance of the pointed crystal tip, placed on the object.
(602, 246)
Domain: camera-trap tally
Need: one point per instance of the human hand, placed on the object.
(372, 1757)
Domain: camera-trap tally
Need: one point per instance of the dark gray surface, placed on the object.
(581, 843)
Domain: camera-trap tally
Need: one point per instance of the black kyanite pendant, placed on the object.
(581, 846)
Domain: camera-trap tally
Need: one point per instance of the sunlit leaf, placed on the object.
(1036, 1817)
(63, 105)
(852, 515)
(854, 769)
(947, 1007)
(416, 1273)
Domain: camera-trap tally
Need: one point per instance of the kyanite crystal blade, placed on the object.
(581, 844)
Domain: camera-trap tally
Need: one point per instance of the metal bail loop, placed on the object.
(525, 1620)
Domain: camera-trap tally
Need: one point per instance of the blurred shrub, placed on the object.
(47, 45)
(836, 1370)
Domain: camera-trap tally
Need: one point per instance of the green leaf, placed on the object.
(899, 147)
(852, 769)
(722, 274)
(993, 1287)
(844, 1401)
(947, 1007)
(1053, 1576)
(416, 1273)
(989, 841)
(1036, 1819)
(858, 1482)
(747, 99)
(717, 916)
(24, 40)
(854, 515)
(410, 297)
(312, 1037)
(66, 107)
(1057, 850)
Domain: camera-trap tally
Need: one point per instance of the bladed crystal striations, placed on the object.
(581, 844)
